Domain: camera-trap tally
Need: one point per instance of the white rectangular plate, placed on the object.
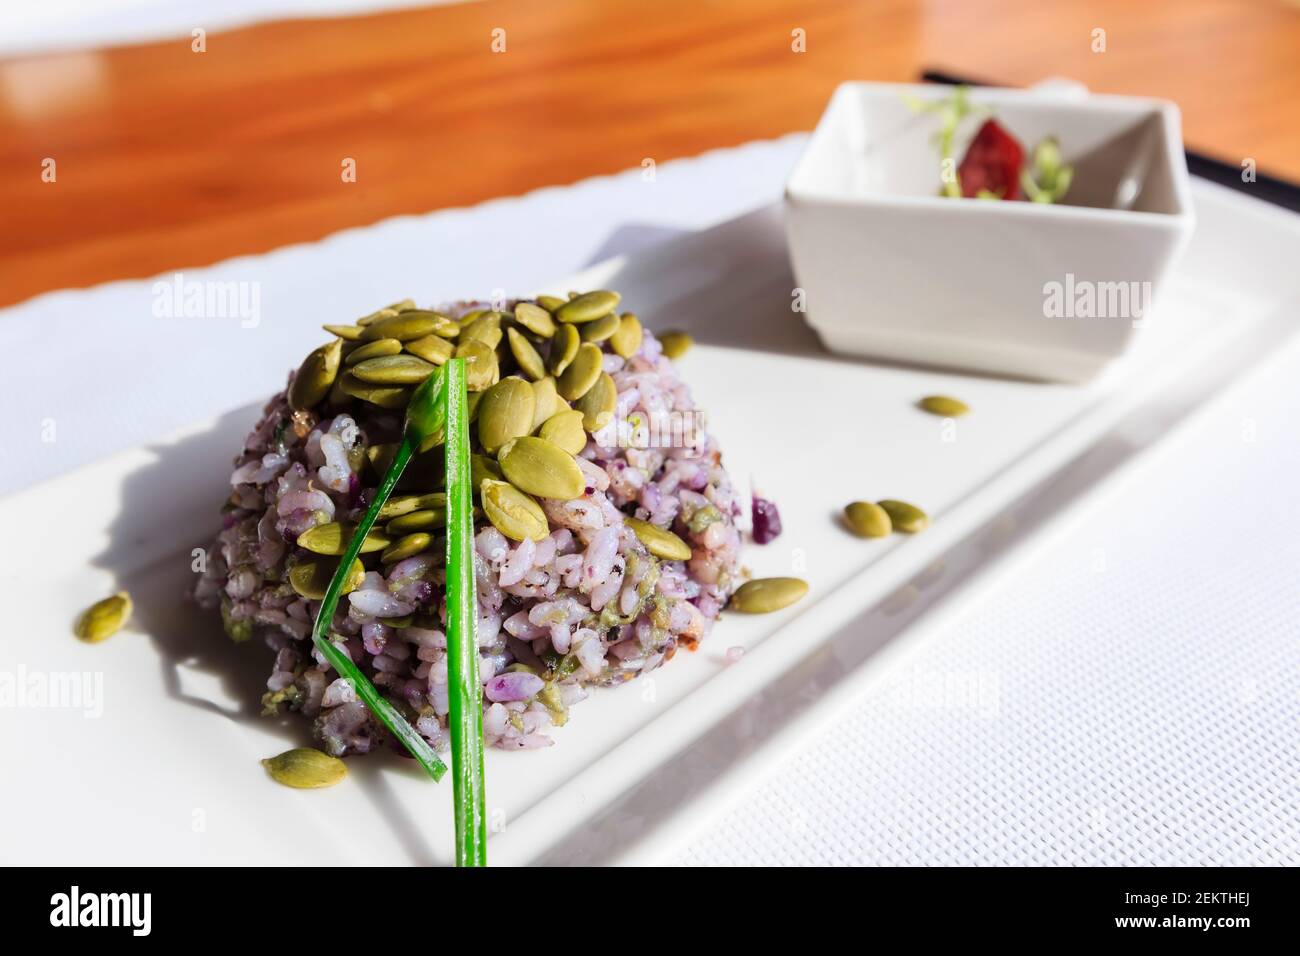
(151, 754)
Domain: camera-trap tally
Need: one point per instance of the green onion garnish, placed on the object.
(425, 416)
(464, 688)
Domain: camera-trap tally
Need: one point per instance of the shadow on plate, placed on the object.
(168, 509)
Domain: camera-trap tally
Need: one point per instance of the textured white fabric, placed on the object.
(1132, 698)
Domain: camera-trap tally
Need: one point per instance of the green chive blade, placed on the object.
(419, 410)
(465, 689)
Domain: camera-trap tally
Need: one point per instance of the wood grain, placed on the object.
(167, 158)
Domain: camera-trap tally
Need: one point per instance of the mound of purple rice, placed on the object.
(587, 605)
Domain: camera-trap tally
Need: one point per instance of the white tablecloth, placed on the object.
(1134, 698)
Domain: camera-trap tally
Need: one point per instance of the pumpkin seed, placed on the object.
(104, 618)
(333, 538)
(535, 319)
(906, 518)
(544, 401)
(383, 396)
(506, 412)
(626, 342)
(481, 368)
(598, 403)
(311, 578)
(582, 373)
(564, 348)
(676, 344)
(486, 329)
(315, 376)
(400, 505)
(305, 768)
(375, 316)
(536, 466)
(348, 333)
(588, 307)
(337, 398)
(600, 329)
(764, 595)
(393, 370)
(404, 326)
(526, 355)
(943, 405)
(407, 547)
(550, 302)
(426, 519)
(867, 519)
(513, 513)
(403, 306)
(481, 468)
(659, 541)
(564, 429)
(443, 325)
(374, 349)
(431, 348)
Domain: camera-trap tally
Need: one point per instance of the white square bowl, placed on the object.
(890, 269)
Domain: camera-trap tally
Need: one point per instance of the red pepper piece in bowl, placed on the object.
(992, 163)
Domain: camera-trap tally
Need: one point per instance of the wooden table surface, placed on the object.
(169, 158)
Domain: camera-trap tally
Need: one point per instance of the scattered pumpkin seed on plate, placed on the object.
(944, 406)
(867, 519)
(904, 517)
(765, 595)
(104, 618)
(305, 768)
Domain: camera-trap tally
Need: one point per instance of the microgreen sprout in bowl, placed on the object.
(993, 166)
